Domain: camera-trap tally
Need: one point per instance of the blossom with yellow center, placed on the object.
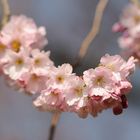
(76, 91)
(17, 64)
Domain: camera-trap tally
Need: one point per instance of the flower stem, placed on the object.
(54, 122)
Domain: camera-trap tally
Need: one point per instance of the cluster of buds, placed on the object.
(129, 26)
(29, 69)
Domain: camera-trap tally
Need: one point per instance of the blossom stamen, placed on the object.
(19, 62)
(137, 19)
(99, 81)
(78, 91)
(60, 79)
(2, 48)
(15, 45)
(37, 61)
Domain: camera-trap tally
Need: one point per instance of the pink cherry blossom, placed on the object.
(128, 67)
(33, 83)
(22, 31)
(50, 99)
(113, 63)
(17, 65)
(76, 92)
(56, 87)
(120, 68)
(28, 69)
(101, 81)
(99, 89)
(41, 62)
(130, 16)
(102, 87)
(126, 42)
(60, 76)
(129, 41)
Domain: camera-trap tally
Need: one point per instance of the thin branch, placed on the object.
(6, 12)
(93, 32)
(54, 122)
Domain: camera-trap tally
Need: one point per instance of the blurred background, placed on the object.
(67, 23)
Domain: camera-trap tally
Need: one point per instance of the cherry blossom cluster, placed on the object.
(28, 68)
(129, 26)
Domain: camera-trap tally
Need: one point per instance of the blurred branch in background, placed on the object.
(137, 2)
(6, 12)
(82, 52)
(93, 32)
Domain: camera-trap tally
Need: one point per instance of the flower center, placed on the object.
(79, 91)
(111, 67)
(37, 61)
(137, 19)
(19, 61)
(2, 48)
(34, 77)
(60, 79)
(15, 45)
(99, 81)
